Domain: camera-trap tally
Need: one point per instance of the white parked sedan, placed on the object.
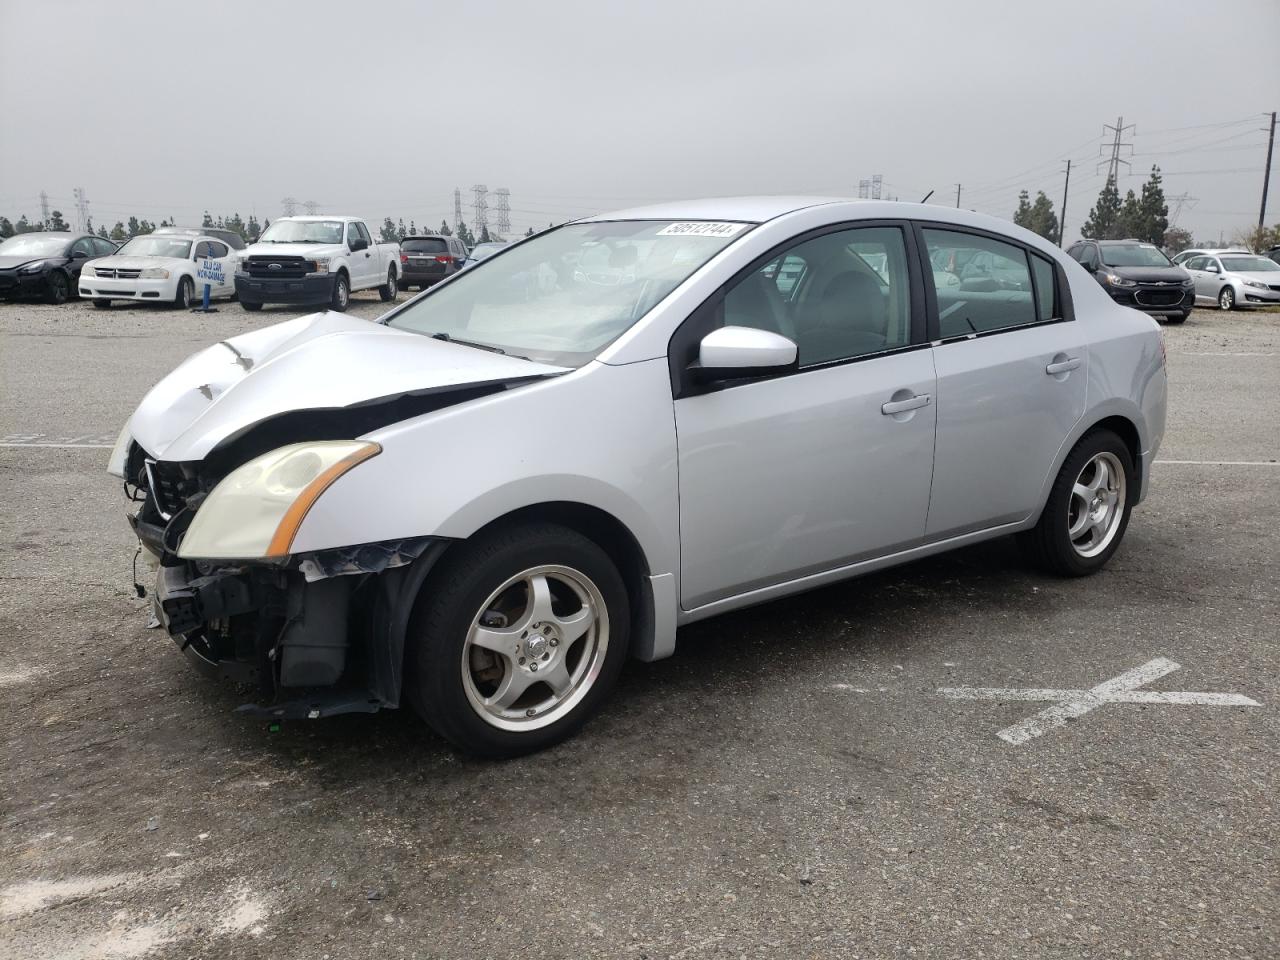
(164, 267)
(485, 502)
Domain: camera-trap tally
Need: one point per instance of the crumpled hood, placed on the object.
(322, 361)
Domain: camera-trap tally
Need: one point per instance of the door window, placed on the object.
(356, 231)
(202, 250)
(838, 296)
(83, 246)
(994, 290)
(104, 247)
(216, 250)
(1195, 263)
(1046, 288)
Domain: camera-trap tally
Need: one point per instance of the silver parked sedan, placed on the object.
(484, 503)
(1235, 280)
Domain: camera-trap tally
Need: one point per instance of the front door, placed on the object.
(790, 476)
(1012, 371)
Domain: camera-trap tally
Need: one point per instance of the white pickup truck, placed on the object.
(316, 260)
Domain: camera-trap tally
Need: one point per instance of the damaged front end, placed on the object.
(314, 634)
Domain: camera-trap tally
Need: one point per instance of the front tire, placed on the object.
(1227, 299)
(58, 287)
(389, 289)
(341, 293)
(517, 639)
(1088, 509)
(1178, 317)
(251, 306)
(186, 293)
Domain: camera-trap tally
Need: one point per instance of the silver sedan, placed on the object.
(1234, 280)
(483, 504)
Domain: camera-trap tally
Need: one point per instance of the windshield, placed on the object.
(1250, 265)
(33, 244)
(424, 245)
(564, 295)
(153, 246)
(1134, 255)
(303, 231)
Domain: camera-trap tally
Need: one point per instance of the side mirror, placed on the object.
(1211, 268)
(357, 244)
(734, 353)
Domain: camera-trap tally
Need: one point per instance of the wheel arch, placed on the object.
(1123, 422)
(616, 539)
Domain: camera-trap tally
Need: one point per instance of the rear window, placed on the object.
(428, 245)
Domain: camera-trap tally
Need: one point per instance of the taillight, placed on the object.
(404, 257)
(444, 259)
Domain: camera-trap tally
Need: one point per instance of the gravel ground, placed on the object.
(790, 784)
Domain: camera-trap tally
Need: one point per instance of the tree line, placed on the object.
(395, 230)
(249, 230)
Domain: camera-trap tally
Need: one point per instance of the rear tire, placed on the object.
(389, 289)
(251, 307)
(341, 293)
(102, 304)
(497, 610)
(1084, 519)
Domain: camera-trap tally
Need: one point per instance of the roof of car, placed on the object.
(427, 236)
(740, 209)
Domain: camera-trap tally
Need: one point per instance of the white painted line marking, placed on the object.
(1071, 704)
(1195, 353)
(62, 446)
(1221, 463)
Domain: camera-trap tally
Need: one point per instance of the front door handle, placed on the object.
(902, 406)
(1063, 366)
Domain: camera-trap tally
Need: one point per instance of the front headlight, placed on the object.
(154, 273)
(1118, 281)
(119, 458)
(88, 272)
(32, 267)
(320, 265)
(1255, 283)
(255, 512)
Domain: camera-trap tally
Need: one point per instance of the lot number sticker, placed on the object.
(702, 229)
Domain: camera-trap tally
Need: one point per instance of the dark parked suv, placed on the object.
(429, 259)
(1138, 275)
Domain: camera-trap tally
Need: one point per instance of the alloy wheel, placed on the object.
(1097, 505)
(1226, 299)
(535, 648)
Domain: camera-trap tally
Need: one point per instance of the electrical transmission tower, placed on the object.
(290, 205)
(1117, 144)
(44, 207)
(870, 189)
(502, 210)
(310, 207)
(482, 208)
(82, 209)
(1176, 203)
(457, 208)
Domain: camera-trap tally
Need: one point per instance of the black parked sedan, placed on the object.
(47, 265)
(1138, 275)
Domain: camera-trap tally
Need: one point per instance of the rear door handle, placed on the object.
(1063, 366)
(902, 406)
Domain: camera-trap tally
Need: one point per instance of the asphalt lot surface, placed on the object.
(791, 784)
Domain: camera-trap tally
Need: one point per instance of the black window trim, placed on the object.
(1062, 288)
(697, 325)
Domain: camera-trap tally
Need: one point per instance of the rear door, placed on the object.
(1012, 369)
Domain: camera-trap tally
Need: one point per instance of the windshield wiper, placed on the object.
(467, 343)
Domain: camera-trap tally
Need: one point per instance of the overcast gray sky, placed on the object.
(382, 108)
